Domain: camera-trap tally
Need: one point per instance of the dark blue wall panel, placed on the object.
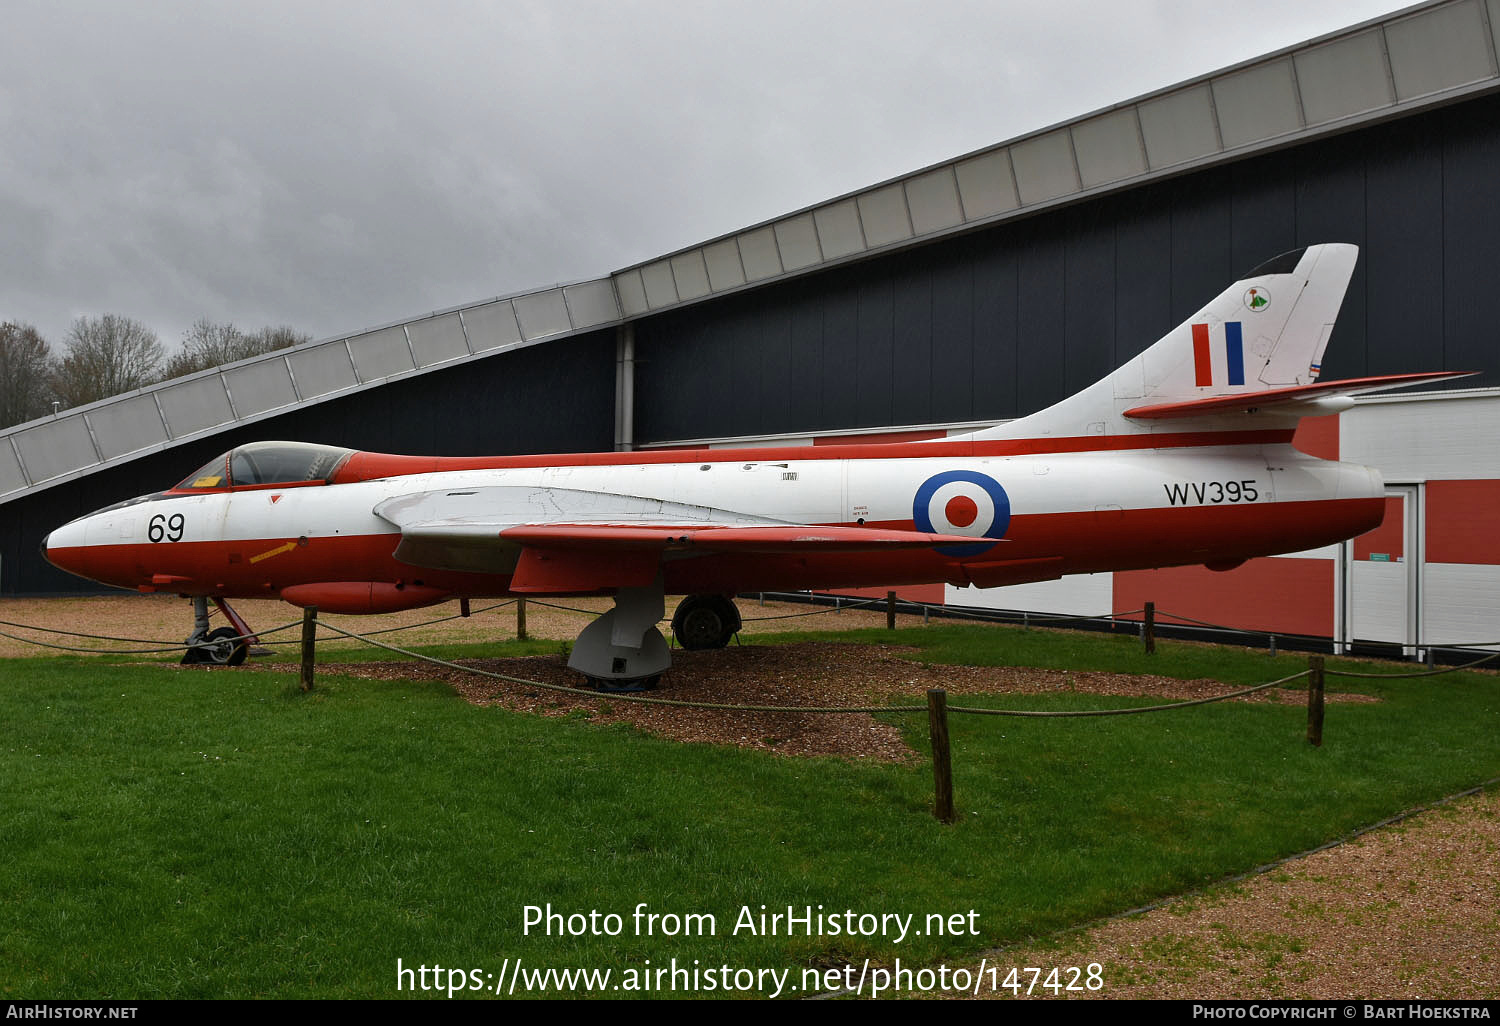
(1201, 261)
(1403, 255)
(953, 338)
(1040, 318)
(874, 379)
(1143, 293)
(911, 356)
(1088, 278)
(995, 339)
(1471, 236)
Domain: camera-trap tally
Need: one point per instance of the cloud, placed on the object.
(337, 165)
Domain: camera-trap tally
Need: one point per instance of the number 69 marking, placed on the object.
(164, 528)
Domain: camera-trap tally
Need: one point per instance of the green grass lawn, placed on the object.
(219, 834)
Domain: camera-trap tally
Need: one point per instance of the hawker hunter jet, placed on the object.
(1181, 456)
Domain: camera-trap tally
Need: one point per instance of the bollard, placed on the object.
(1315, 701)
(890, 610)
(1273, 646)
(924, 614)
(520, 619)
(309, 643)
(942, 764)
(1148, 628)
(463, 607)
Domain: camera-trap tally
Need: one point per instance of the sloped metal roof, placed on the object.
(1421, 57)
(1424, 56)
(79, 441)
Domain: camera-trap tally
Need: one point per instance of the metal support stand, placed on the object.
(624, 644)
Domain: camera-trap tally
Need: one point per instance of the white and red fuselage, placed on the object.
(1037, 509)
(1182, 455)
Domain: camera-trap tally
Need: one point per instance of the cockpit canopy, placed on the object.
(268, 463)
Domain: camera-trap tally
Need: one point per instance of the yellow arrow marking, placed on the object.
(278, 550)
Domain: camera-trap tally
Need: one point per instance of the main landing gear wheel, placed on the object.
(705, 622)
(222, 647)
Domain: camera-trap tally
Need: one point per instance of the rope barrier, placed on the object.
(814, 612)
(176, 646)
(638, 699)
(140, 641)
(1409, 676)
(568, 609)
(163, 646)
(1162, 614)
(870, 710)
(1044, 714)
(950, 612)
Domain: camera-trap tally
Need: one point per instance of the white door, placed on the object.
(1382, 567)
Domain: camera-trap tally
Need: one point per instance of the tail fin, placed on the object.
(1258, 344)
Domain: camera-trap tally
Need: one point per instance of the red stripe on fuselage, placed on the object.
(367, 466)
(1038, 547)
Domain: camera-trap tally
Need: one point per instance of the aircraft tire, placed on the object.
(225, 652)
(704, 622)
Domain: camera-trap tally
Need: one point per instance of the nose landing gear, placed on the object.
(222, 646)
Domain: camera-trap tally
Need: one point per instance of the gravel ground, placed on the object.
(1410, 910)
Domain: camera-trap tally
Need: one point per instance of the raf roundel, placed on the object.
(962, 502)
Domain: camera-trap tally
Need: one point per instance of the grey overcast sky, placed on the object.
(334, 165)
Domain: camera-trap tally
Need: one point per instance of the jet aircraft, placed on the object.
(1183, 455)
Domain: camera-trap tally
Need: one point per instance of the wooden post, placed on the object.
(520, 619)
(942, 764)
(1315, 701)
(890, 610)
(309, 644)
(1148, 628)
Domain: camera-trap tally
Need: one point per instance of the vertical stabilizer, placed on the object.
(1266, 331)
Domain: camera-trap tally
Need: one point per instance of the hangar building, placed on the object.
(976, 290)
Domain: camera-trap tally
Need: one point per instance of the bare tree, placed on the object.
(25, 374)
(207, 344)
(106, 356)
(284, 337)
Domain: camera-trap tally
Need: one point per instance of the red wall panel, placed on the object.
(1389, 539)
(1318, 436)
(1463, 522)
(1291, 595)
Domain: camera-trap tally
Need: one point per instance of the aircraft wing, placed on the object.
(1298, 400)
(571, 540)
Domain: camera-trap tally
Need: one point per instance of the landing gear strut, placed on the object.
(623, 646)
(223, 646)
(705, 622)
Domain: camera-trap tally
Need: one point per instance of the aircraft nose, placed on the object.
(42, 548)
